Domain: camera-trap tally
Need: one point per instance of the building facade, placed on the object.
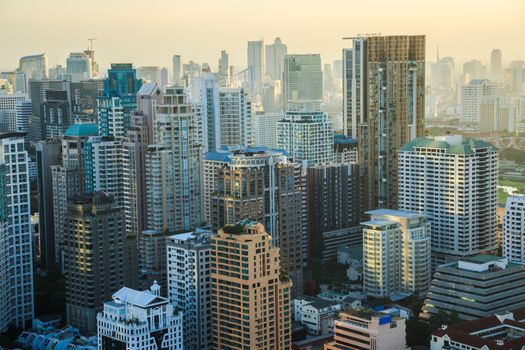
(235, 115)
(514, 229)
(302, 81)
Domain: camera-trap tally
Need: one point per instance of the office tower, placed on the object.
(251, 305)
(224, 77)
(84, 99)
(37, 93)
(255, 67)
(79, 66)
(473, 96)
(16, 80)
(265, 186)
(58, 72)
(173, 179)
(150, 74)
(139, 320)
(367, 330)
(68, 179)
(16, 267)
(338, 69)
(275, 59)
(118, 100)
(517, 76)
(23, 110)
(396, 253)
(271, 96)
(235, 115)
(307, 136)
(442, 74)
(265, 129)
(48, 154)
(209, 104)
(452, 179)
(163, 78)
(345, 149)
(476, 287)
(177, 70)
(55, 113)
(333, 208)
(8, 111)
(474, 70)
(514, 229)
(383, 106)
(189, 285)
(34, 67)
(93, 256)
(302, 81)
(496, 66)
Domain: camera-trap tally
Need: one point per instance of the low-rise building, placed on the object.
(476, 287)
(368, 330)
(503, 331)
(45, 336)
(316, 314)
(139, 320)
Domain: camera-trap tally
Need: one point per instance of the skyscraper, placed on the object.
(514, 229)
(275, 59)
(118, 100)
(307, 136)
(209, 102)
(177, 70)
(8, 111)
(383, 106)
(255, 67)
(16, 256)
(266, 186)
(251, 304)
(189, 285)
(224, 70)
(34, 67)
(265, 129)
(79, 66)
(150, 74)
(55, 113)
(23, 109)
(302, 82)
(235, 115)
(93, 254)
(475, 96)
(453, 180)
(496, 66)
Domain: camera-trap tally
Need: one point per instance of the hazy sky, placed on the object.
(149, 32)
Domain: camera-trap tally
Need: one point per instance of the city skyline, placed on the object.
(495, 27)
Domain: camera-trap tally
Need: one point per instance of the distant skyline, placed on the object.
(151, 32)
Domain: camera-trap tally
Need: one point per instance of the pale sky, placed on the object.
(150, 32)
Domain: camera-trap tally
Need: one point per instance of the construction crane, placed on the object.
(91, 43)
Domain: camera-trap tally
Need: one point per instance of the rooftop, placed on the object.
(398, 213)
(143, 299)
(78, 130)
(453, 144)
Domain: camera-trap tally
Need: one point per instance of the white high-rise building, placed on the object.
(255, 67)
(139, 320)
(275, 59)
(224, 70)
(265, 129)
(473, 95)
(189, 285)
(8, 112)
(514, 229)
(307, 136)
(79, 66)
(453, 180)
(34, 66)
(235, 118)
(209, 109)
(16, 255)
(396, 253)
(177, 70)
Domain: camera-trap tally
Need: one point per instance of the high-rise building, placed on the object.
(396, 253)
(139, 320)
(517, 76)
(8, 111)
(265, 129)
(307, 136)
(17, 80)
(453, 180)
(496, 66)
(48, 154)
(209, 103)
(265, 186)
(442, 74)
(345, 149)
(255, 67)
(476, 97)
(333, 205)
(34, 67)
(366, 330)
(302, 82)
(23, 110)
(250, 295)
(514, 229)
(94, 265)
(16, 255)
(55, 114)
(235, 115)
(163, 78)
(189, 285)
(149, 74)
(79, 66)
(275, 59)
(383, 106)
(177, 70)
(84, 99)
(474, 70)
(224, 76)
(173, 164)
(118, 100)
